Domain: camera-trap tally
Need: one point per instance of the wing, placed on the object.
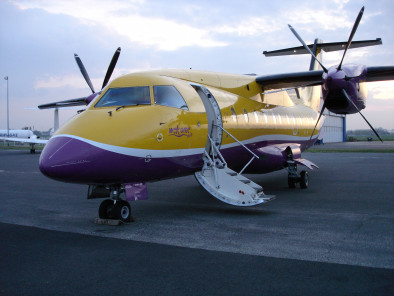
(380, 73)
(312, 78)
(66, 103)
(295, 79)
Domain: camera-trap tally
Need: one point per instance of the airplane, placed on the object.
(27, 136)
(22, 136)
(149, 126)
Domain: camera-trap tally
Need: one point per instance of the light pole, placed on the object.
(8, 123)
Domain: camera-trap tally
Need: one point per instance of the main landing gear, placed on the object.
(32, 149)
(114, 207)
(294, 177)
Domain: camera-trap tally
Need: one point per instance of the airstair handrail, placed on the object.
(217, 150)
(250, 151)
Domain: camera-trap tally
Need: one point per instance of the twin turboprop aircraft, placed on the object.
(149, 126)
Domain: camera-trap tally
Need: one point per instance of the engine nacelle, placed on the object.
(350, 78)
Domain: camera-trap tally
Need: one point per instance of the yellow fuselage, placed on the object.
(158, 135)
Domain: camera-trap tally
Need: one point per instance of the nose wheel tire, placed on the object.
(122, 211)
(106, 208)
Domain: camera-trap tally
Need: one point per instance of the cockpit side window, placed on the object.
(125, 96)
(168, 95)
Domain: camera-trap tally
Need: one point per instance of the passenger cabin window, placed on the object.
(246, 116)
(125, 96)
(234, 115)
(168, 95)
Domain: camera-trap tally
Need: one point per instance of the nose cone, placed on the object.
(65, 159)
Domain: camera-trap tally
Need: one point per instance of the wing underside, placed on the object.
(312, 78)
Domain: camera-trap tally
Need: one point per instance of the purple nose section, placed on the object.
(66, 159)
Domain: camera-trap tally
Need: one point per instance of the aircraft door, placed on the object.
(213, 114)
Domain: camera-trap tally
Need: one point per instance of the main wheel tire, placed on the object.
(304, 182)
(122, 211)
(106, 209)
(291, 182)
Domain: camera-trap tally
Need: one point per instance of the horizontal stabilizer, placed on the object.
(327, 47)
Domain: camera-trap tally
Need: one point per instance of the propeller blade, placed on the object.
(349, 42)
(111, 67)
(306, 47)
(321, 113)
(354, 105)
(84, 72)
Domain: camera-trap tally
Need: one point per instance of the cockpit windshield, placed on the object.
(168, 95)
(126, 96)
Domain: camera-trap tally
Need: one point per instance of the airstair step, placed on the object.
(246, 181)
(258, 189)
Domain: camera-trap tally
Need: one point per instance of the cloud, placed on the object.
(327, 19)
(124, 18)
(77, 81)
(251, 27)
(382, 90)
(69, 81)
(353, 56)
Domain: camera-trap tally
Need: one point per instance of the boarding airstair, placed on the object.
(225, 184)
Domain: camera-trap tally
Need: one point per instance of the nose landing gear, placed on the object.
(115, 209)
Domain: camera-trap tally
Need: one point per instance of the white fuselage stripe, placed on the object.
(179, 152)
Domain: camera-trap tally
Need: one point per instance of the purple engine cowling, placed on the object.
(91, 97)
(350, 78)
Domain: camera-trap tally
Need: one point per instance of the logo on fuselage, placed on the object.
(180, 131)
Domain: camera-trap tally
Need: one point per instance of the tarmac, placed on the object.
(334, 238)
(355, 146)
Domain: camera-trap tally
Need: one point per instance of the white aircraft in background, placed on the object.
(22, 136)
(27, 136)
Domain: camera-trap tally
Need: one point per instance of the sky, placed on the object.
(38, 39)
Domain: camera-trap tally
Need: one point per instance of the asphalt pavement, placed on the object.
(335, 238)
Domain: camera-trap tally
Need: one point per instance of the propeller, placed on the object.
(321, 113)
(331, 79)
(307, 48)
(85, 100)
(110, 69)
(354, 105)
(349, 42)
(84, 72)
